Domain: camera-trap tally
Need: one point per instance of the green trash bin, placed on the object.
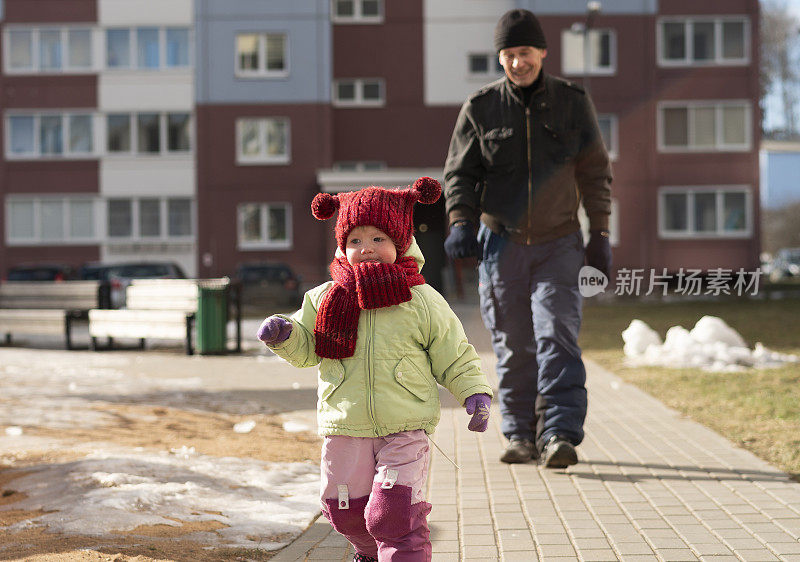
(212, 319)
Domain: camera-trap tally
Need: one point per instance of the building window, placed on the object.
(178, 47)
(703, 41)
(705, 212)
(48, 50)
(262, 55)
(704, 127)
(264, 226)
(79, 43)
(51, 220)
(357, 11)
(359, 92)
(179, 217)
(118, 48)
(50, 136)
(120, 218)
(149, 218)
(179, 132)
(151, 133)
(262, 141)
(19, 49)
(482, 65)
(609, 131)
(600, 46)
(148, 48)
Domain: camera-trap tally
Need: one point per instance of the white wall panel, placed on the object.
(447, 46)
(142, 176)
(464, 10)
(145, 12)
(140, 91)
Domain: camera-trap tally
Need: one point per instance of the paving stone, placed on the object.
(480, 553)
(520, 556)
(446, 546)
(627, 548)
(787, 548)
(756, 555)
(553, 538)
(599, 555)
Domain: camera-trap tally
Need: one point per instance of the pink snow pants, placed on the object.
(372, 493)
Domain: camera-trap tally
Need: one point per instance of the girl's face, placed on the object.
(369, 243)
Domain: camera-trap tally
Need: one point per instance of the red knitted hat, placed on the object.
(391, 210)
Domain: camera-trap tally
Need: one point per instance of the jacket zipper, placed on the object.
(530, 171)
(370, 378)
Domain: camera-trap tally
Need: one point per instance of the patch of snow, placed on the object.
(711, 345)
(121, 490)
(295, 427)
(51, 389)
(244, 427)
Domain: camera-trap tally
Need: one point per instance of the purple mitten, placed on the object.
(477, 406)
(274, 330)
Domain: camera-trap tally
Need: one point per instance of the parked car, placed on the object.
(120, 275)
(785, 264)
(268, 285)
(40, 272)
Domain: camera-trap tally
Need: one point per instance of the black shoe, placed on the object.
(363, 558)
(518, 451)
(559, 453)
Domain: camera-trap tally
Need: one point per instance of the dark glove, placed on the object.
(477, 406)
(461, 242)
(598, 251)
(274, 330)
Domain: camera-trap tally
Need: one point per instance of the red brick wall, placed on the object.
(223, 184)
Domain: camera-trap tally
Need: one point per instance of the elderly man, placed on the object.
(526, 151)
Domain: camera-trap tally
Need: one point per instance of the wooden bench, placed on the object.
(157, 309)
(48, 307)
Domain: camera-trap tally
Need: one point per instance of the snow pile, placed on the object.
(711, 345)
(54, 390)
(262, 505)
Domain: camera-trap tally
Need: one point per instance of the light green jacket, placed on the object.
(402, 351)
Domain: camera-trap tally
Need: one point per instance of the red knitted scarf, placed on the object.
(365, 286)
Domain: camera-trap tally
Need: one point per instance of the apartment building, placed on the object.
(98, 131)
(200, 131)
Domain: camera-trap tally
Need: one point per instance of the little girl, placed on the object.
(382, 339)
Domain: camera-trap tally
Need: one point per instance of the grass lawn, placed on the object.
(756, 409)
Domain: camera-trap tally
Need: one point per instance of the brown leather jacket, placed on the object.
(525, 170)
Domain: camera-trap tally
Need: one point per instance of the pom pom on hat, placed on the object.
(324, 205)
(428, 190)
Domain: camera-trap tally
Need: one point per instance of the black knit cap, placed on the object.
(518, 28)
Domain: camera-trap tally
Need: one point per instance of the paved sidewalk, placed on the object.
(650, 485)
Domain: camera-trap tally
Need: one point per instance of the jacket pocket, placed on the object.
(563, 144)
(331, 375)
(410, 377)
(497, 152)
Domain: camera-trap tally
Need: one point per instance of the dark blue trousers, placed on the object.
(531, 305)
